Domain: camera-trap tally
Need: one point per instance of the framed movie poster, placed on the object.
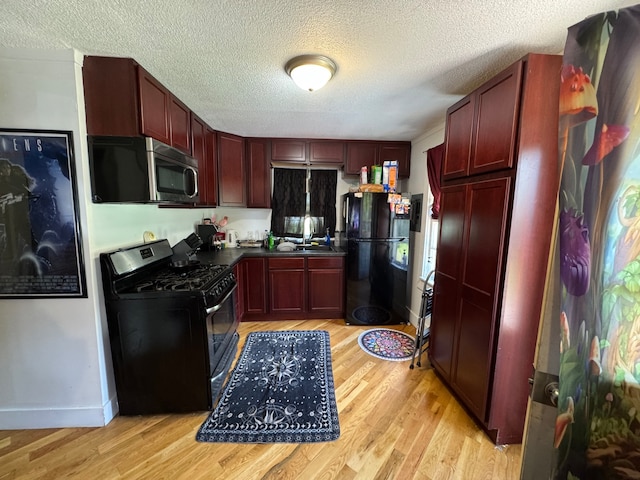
(40, 246)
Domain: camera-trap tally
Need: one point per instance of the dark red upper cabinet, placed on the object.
(497, 110)
(163, 116)
(480, 132)
(231, 171)
(179, 122)
(259, 173)
(210, 175)
(199, 143)
(307, 152)
(365, 154)
(360, 154)
(154, 108)
(458, 137)
(285, 150)
(112, 102)
(326, 152)
(399, 152)
(122, 98)
(203, 143)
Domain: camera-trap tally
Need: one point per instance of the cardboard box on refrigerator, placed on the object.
(390, 175)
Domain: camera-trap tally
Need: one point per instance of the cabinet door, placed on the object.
(289, 150)
(445, 312)
(497, 111)
(154, 107)
(111, 96)
(326, 152)
(231, 170)
(259, 177)
(399, 153)
(180, 122)
(360, 154)
(326, 286)
(209, 177)
(199, 143)
(458, 137)
(487, 215)
(254, 283)
(287, 285)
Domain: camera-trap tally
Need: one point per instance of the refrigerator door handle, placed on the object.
(345, 212)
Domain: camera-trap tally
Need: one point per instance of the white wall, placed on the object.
(53, 371)
(416, 184)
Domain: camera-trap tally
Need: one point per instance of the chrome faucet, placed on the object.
(307, 230)
(309, 238)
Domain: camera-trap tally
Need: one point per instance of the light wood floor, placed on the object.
(395, 423)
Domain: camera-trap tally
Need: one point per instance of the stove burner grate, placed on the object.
(199, 278)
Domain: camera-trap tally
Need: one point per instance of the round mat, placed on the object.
(387, 344)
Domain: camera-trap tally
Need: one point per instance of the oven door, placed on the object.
(221, 328)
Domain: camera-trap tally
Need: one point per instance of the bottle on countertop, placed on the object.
(327, 238)
(272, 241)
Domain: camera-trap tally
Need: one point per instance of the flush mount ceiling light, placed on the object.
(310, 72)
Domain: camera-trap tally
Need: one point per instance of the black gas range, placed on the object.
(172, 328)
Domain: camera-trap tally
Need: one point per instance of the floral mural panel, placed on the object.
(597, 430)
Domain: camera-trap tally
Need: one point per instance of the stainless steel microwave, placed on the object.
(140, 170)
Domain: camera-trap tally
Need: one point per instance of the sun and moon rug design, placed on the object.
(280, 391)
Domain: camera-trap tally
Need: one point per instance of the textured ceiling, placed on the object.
(401, 63)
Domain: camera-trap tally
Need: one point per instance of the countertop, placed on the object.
(231, 256)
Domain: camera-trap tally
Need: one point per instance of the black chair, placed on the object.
(422, 334)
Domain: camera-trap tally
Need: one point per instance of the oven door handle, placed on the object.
(217, 307)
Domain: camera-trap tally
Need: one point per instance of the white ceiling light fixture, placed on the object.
(310, 72)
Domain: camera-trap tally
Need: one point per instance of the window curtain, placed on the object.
(289, 199)
(322, 200)
(435, 157)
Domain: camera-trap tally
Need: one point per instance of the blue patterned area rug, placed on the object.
(280, 391)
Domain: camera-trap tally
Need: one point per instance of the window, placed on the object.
(431, 232)
(430, 246)
(304, 202)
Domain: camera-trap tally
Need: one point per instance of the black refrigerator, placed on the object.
(376, 240)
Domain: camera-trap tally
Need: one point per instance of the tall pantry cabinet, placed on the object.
(499, 189)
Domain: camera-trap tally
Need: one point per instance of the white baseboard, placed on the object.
(24, 419)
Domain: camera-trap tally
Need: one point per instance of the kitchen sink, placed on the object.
(322, 248)
(305, 247)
